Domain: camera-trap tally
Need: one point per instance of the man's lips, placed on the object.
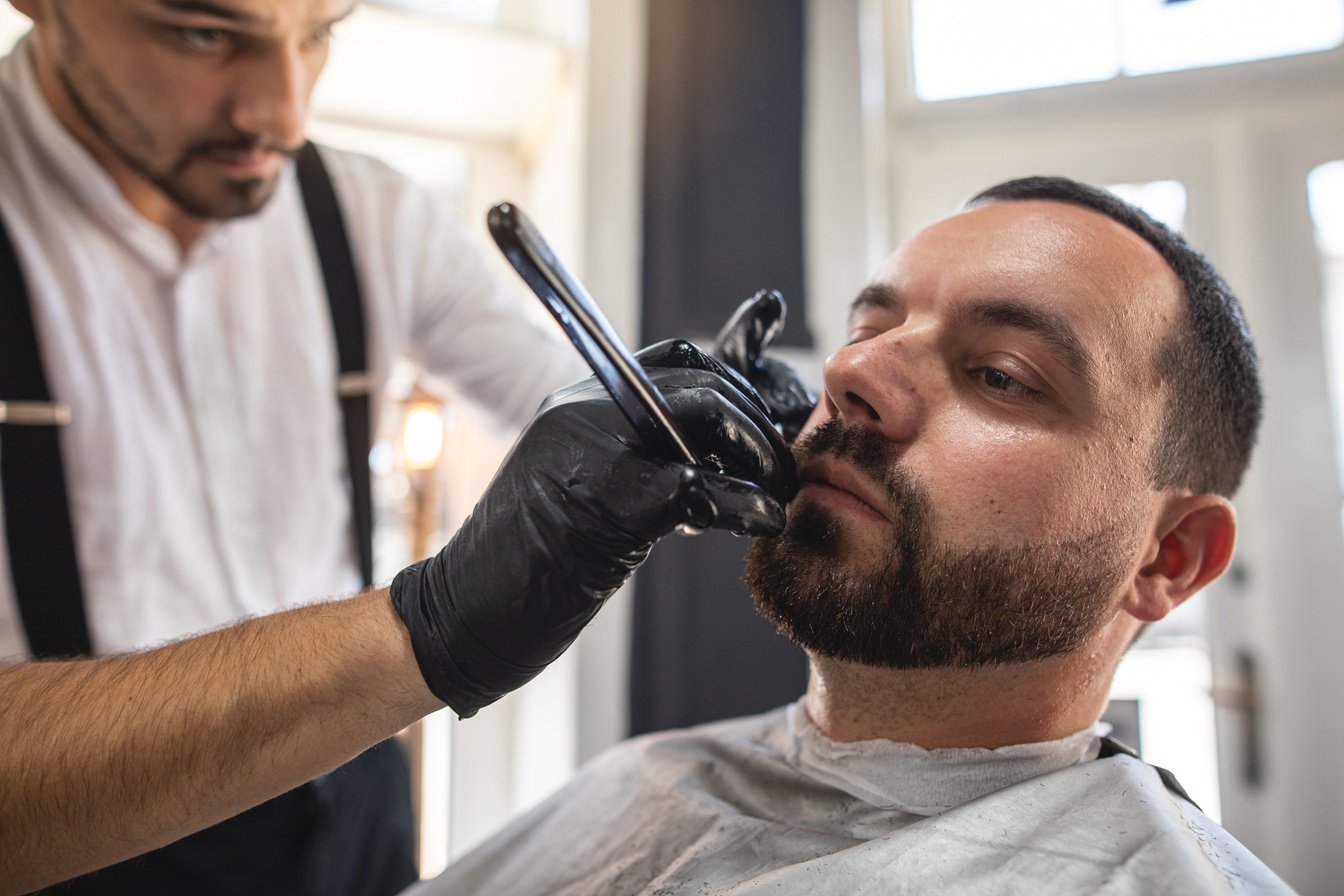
(836, 483)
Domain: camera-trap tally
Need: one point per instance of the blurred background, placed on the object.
(681, 154)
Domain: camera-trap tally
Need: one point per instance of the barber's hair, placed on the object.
(1209, 362)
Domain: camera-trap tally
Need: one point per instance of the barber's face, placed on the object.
(200, 103)
(976, 477)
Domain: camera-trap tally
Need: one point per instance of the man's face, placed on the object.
(199, 100)
(976, 477)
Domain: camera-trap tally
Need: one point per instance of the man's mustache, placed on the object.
(855, 443)
(878, 458)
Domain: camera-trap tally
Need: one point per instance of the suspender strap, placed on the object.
(1111, 747)
(347, 316)
(38, 527)
(37, 509)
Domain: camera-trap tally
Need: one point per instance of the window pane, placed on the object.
(481, 12)
(1163, 199)
(1325, 191)
(1160, 36)
(975, 47)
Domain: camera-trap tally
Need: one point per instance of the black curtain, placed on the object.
(722, 218)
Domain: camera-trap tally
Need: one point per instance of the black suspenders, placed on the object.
(38, 528)
(37, 515)
(347, 316)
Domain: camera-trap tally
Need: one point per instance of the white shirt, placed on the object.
(769, 805)
(205, 461)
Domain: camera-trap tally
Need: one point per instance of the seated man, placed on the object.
(1022, 456)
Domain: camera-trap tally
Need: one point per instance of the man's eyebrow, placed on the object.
(875, 295)
(1052, 329)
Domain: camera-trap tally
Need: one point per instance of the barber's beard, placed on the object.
(925, 604)
(111, 120)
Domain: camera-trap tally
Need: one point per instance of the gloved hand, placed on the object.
(741, 345)
(572, 512)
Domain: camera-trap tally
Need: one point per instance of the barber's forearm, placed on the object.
(104, 759)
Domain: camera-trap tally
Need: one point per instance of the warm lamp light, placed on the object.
(422, 437)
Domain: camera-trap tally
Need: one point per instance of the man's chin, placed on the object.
(858, 545)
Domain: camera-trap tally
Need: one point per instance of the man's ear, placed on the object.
(1194, 538)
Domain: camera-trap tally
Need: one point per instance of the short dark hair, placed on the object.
(1209, 362)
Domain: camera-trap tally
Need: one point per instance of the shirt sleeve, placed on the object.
(433, 296)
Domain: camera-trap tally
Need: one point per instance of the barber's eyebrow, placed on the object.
(228, 13)
(214, 10)
(1052, 329)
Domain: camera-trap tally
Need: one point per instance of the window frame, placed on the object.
(1195, 87)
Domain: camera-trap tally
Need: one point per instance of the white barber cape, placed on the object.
(768, 805)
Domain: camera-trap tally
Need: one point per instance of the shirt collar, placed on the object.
(891, 775)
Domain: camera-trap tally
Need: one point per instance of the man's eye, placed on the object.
(859, 334)
(204, 39)
(1000, 381)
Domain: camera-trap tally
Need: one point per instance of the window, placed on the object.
(1325, 192)
(964, 48)
(478, 12)
(1163, 199)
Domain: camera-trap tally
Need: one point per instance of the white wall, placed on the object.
(612, 234)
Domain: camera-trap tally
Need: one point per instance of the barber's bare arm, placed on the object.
(103, 759)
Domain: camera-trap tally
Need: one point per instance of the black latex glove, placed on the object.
(741, 345)
(572, 512)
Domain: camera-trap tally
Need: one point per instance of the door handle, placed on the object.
(1242, 696)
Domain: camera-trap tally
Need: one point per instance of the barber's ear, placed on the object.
(1192, 546)
(30, 8)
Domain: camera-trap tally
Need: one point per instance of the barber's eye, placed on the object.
(319, 37)
(204, 38)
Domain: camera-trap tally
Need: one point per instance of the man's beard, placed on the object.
(238, 198)
(925, 604)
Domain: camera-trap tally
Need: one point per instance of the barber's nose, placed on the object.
(871, 383)
(273, 98)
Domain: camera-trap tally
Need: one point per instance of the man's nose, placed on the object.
(272, 99)
(874, 383)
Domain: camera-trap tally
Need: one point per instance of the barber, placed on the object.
(199, 311)
(102, 759)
